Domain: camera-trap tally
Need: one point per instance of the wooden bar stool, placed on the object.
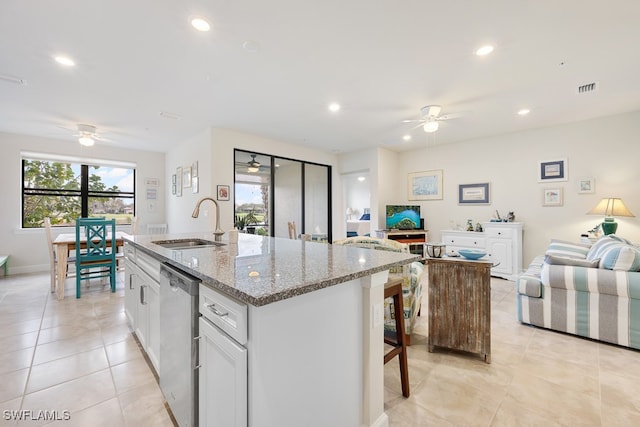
(396, 339)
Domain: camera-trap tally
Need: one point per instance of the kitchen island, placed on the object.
(314, 326)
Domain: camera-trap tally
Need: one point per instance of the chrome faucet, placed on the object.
(217, 231)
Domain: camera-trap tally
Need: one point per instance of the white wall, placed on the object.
(179, 209)
(28, 247)
(221, 143)
(606, 149)
(288, 197)
(356, 193)
(387, 179)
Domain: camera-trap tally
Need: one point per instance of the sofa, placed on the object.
(591, 291)
(411, 275)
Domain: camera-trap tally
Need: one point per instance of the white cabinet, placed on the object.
(222, 378)
(148, 326)
(130, 289)
(456, 240)
(142, 301)
(501, 240)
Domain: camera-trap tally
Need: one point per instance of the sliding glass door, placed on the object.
(275, 191)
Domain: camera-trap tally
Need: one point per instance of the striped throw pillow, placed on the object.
(567, 249)
(621, 257)
(601, 245)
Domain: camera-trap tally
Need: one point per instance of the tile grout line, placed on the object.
(35, 347)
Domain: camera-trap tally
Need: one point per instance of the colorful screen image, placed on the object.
(403, 217)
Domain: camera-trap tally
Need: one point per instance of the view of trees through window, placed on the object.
(66, 191)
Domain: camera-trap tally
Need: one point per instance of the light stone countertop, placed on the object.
(262, 270)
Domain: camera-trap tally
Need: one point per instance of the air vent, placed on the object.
(589, 87)
(171, 116)
(12, 79)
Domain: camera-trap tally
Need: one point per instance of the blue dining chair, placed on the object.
(99, 257)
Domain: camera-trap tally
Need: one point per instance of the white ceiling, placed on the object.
(382, 60)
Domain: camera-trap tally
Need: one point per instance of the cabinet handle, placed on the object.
(215, 311)
(142, 299)
(131, 281)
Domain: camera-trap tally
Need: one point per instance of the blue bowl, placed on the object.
(472, 253)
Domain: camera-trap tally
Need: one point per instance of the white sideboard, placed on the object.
(501, 240)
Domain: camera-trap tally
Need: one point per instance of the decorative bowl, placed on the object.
(472, 253)
(435, 250)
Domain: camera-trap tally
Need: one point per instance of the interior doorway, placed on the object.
(357, 203)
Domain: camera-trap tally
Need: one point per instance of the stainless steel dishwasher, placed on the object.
(178, 344)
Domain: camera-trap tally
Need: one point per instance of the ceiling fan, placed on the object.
(430, 118)
(87, 134)
(253, 165)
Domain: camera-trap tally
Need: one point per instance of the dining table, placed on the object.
(65, 243)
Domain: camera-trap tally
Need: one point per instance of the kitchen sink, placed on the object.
(186, 243)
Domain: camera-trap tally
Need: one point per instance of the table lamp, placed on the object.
(349, 212)
(610, 207)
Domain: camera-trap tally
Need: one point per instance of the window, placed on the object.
(65, 189)
(273, 191)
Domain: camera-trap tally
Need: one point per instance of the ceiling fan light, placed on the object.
(86, 141)
(430, 127)
(253, 169)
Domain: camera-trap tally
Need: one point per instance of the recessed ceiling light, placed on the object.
(524, 112)
(484, 50)
(200, 24)
(406, 137)
(334, 107)
(65, 60)
(361, 178)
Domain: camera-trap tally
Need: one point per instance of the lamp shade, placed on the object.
(349, 211)
(611, 206)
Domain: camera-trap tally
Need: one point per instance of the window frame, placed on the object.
(84, 193)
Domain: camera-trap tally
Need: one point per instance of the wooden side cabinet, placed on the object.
(460, 305)
(414, 238)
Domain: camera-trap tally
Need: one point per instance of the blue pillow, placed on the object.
(365, 217)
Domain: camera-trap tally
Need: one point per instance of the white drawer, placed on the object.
(148, 264)
(224, 312)
(129, 251)
(463, 241)
(499, 232)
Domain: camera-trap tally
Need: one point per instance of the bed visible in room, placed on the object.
(359, 227)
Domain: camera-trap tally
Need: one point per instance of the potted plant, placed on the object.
(240, 223)
(250, 221)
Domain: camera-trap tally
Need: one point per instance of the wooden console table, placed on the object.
(414, 238)
(460, 305)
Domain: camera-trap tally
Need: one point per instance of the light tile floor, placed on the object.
(79, 356)
(536, 378)
(75, 355)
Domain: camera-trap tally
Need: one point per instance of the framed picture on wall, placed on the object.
(552, 196)
(553, 170)
(186, 177)
(223, 192)
(425, 185)
(586, 185)
(179, 181)
(473, 194)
